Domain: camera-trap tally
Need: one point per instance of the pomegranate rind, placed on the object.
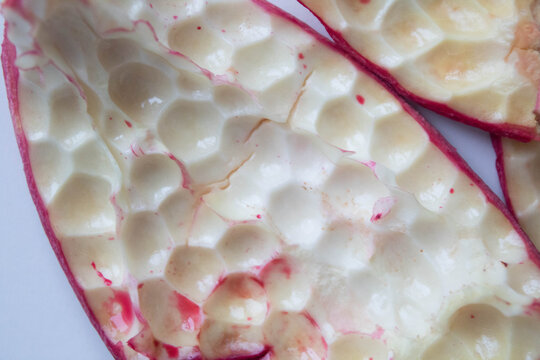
(505, 128)
(301, 323)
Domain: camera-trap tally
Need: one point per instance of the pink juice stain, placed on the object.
(280, 265)
(191, 313)
(101, 276)
(120, 309)
(172, 351)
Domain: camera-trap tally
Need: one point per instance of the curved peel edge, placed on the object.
(434, 135)
(501, 172)
(11, 76)
(517, 132)
(496, 141)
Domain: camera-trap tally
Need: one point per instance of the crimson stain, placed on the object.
(121, 298)
(281, 265)
(535, 306)
(171, 351)
(360, 99)
(258, 356)
(365, 1)
(301, 56)
(191, 313)
(144, 343)
(129, 125)
(452, 191)
(100, 274)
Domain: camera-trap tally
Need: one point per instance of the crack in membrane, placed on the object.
(298, 97)
(256, 127)
(227, 179)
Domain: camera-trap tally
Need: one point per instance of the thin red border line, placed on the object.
(517, 132)
(11, 76)
(499, 163)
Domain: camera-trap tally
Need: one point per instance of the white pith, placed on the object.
(237, 162)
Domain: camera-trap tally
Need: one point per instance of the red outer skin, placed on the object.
(11, 74)
(499, 152)
(518, 132)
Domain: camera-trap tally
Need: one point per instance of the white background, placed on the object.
(40, 317)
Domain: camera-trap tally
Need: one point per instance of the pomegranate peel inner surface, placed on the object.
(474, 61)
(225, 185)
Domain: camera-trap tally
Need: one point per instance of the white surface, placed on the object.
(40, 317)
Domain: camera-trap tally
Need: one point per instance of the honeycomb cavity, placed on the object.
(224, 185)
(139, 90)
(472, 55)
(195, 271)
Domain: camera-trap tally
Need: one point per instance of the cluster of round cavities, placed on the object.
(234, 214)
(477, 56)
(522, 171)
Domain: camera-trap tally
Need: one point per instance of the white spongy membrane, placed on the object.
(480, 57)
(226, 186)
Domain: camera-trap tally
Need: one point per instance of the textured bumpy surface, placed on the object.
(518, 165)
(220, 184)
(476, 61)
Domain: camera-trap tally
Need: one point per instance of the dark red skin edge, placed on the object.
(517, 132)
(499, 152)
(11, 75)
(434, 135)
(499, 163)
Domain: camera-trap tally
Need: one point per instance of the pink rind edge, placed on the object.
(496, 141)
(11, 76)
(499, 163)
(517, 132)
(434, 135)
